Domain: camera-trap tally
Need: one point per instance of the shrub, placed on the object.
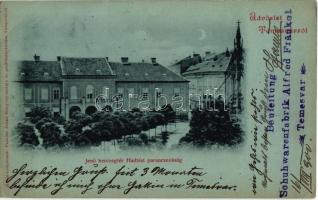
(168, 112)
(144, 138)
(134, 141)
(27, 135)
(82, 118)
(59, 119)
(51, 135)
(87, 138)
(37, 113)
(212, 127)
(164, 137)
(107, 108)
(85, 130)
(41, 122)
(135, 110)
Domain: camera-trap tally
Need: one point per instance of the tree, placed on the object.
(88, 137)
(129, 119)
(59, 119)
(212, 127)
(135, 110)
(118, 129)
(83, 130)
(108, 108)
(97, 116)
(144, 138)
(38, 113)
(75, 135)
(125, 124)
(144, 123)
(41, 122)
(27, 135)
(105, 129)
(83, 119)
(134, 142)
(159, 120)
(169, 114)
(51, 135)
(164, 137)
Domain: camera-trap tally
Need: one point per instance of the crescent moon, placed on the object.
(203, 34)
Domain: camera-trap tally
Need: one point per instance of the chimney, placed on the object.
(124, 60)
(227, 53)
(154, 61)
(36, 58)
(196, 58)
(196, 55)
(58, 58)
(207, 53)
(107, 59)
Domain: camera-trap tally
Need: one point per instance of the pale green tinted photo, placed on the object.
(158, 99)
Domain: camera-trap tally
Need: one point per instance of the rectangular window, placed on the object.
(56, 93)
(89, 96)
(120, 92)
(73, 92)
(89, 92)
(105, 94)
(145, 92)
(158, 92)
(27, 93)
(106, 91)
(131, 91)
(44, 93)
(176, 92)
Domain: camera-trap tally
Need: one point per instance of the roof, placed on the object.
(182, 65)
(39, 71)
(186, 59)
(209, 56)
(85, 66)
(219, 63)
(132, 72)
(144, 72)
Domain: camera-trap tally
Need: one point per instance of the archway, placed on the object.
(90, 110)
(74, 109)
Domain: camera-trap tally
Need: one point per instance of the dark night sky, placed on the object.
(165, 30)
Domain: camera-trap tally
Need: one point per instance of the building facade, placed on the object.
(90, 84)
(215, 76)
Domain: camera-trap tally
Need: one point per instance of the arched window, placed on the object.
(89, 92)
(145, 93)
(73, 92)
(56, 93)
(106, 91)
(158, 92)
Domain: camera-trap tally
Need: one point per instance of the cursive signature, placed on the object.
(304, 179)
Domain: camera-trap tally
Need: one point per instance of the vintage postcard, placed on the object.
(183, 99)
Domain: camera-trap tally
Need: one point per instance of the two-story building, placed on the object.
(74, 84)
(215, 75)
(208, 78)
(42, 85)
